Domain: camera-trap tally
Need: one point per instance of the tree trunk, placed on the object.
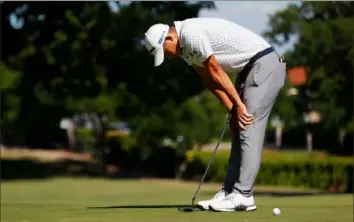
(278, 136)
(309, 141)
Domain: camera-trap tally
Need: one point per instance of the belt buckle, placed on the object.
(281, 59)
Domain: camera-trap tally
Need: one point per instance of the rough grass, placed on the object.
(98, 200)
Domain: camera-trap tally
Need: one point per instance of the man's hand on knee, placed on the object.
(241, 117)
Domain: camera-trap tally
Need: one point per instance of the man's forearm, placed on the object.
(223, 82)
(226, 94)
(220, 95)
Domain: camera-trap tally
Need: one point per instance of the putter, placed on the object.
(191, 208)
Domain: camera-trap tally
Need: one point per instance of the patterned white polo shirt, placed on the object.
(231, 44)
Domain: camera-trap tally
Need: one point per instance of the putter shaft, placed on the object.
(211, 159)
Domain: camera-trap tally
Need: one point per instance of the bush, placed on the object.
(12, 169)
(318, 171)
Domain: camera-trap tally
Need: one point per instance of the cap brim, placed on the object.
(159, 57)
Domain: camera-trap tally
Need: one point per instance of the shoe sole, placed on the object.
(239, 208)
(202, 208)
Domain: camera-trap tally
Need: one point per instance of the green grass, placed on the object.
(69, 200)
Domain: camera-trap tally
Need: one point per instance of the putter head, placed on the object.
(187, 209)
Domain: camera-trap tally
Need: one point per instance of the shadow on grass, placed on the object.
(209, 193)
(139, 207)
(280, 193)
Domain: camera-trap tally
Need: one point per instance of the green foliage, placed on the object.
(121, 142)
(84, 134)
(9, 78)
(325, 45)
(10, 101)
(312, 171)
(82, 57)
(198, 120)
(202, 118)
(86, 140)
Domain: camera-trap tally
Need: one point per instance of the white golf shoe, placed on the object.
(234, 202)
(204, 204)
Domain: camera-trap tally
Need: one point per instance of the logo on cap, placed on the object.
(161, 37)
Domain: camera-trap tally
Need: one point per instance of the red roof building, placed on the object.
(298, 75)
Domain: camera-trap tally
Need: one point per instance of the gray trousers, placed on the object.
(260, 91)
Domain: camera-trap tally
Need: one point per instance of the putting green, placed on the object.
(98, 200)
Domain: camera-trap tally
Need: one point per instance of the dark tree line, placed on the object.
(62, 58)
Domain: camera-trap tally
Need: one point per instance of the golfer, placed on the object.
(217, 48)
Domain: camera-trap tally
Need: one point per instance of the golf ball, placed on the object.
(276, 211)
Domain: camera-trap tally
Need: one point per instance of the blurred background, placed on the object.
(80, 97)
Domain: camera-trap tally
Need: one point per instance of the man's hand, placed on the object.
(241, 117)
(244, 118)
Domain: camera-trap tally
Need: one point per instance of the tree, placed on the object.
(9, 80)
(202, 118)
(325, 34)
(82, 57)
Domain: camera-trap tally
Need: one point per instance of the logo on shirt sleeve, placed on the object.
(186, 56)
(196, 53)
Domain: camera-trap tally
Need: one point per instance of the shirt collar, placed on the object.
(178, 26)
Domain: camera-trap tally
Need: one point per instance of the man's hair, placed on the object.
(172, 28)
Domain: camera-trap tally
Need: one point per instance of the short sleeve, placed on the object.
(197, 44)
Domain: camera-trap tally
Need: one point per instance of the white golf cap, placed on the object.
(155, 37)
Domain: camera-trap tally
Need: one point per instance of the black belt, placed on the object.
(245, 71)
